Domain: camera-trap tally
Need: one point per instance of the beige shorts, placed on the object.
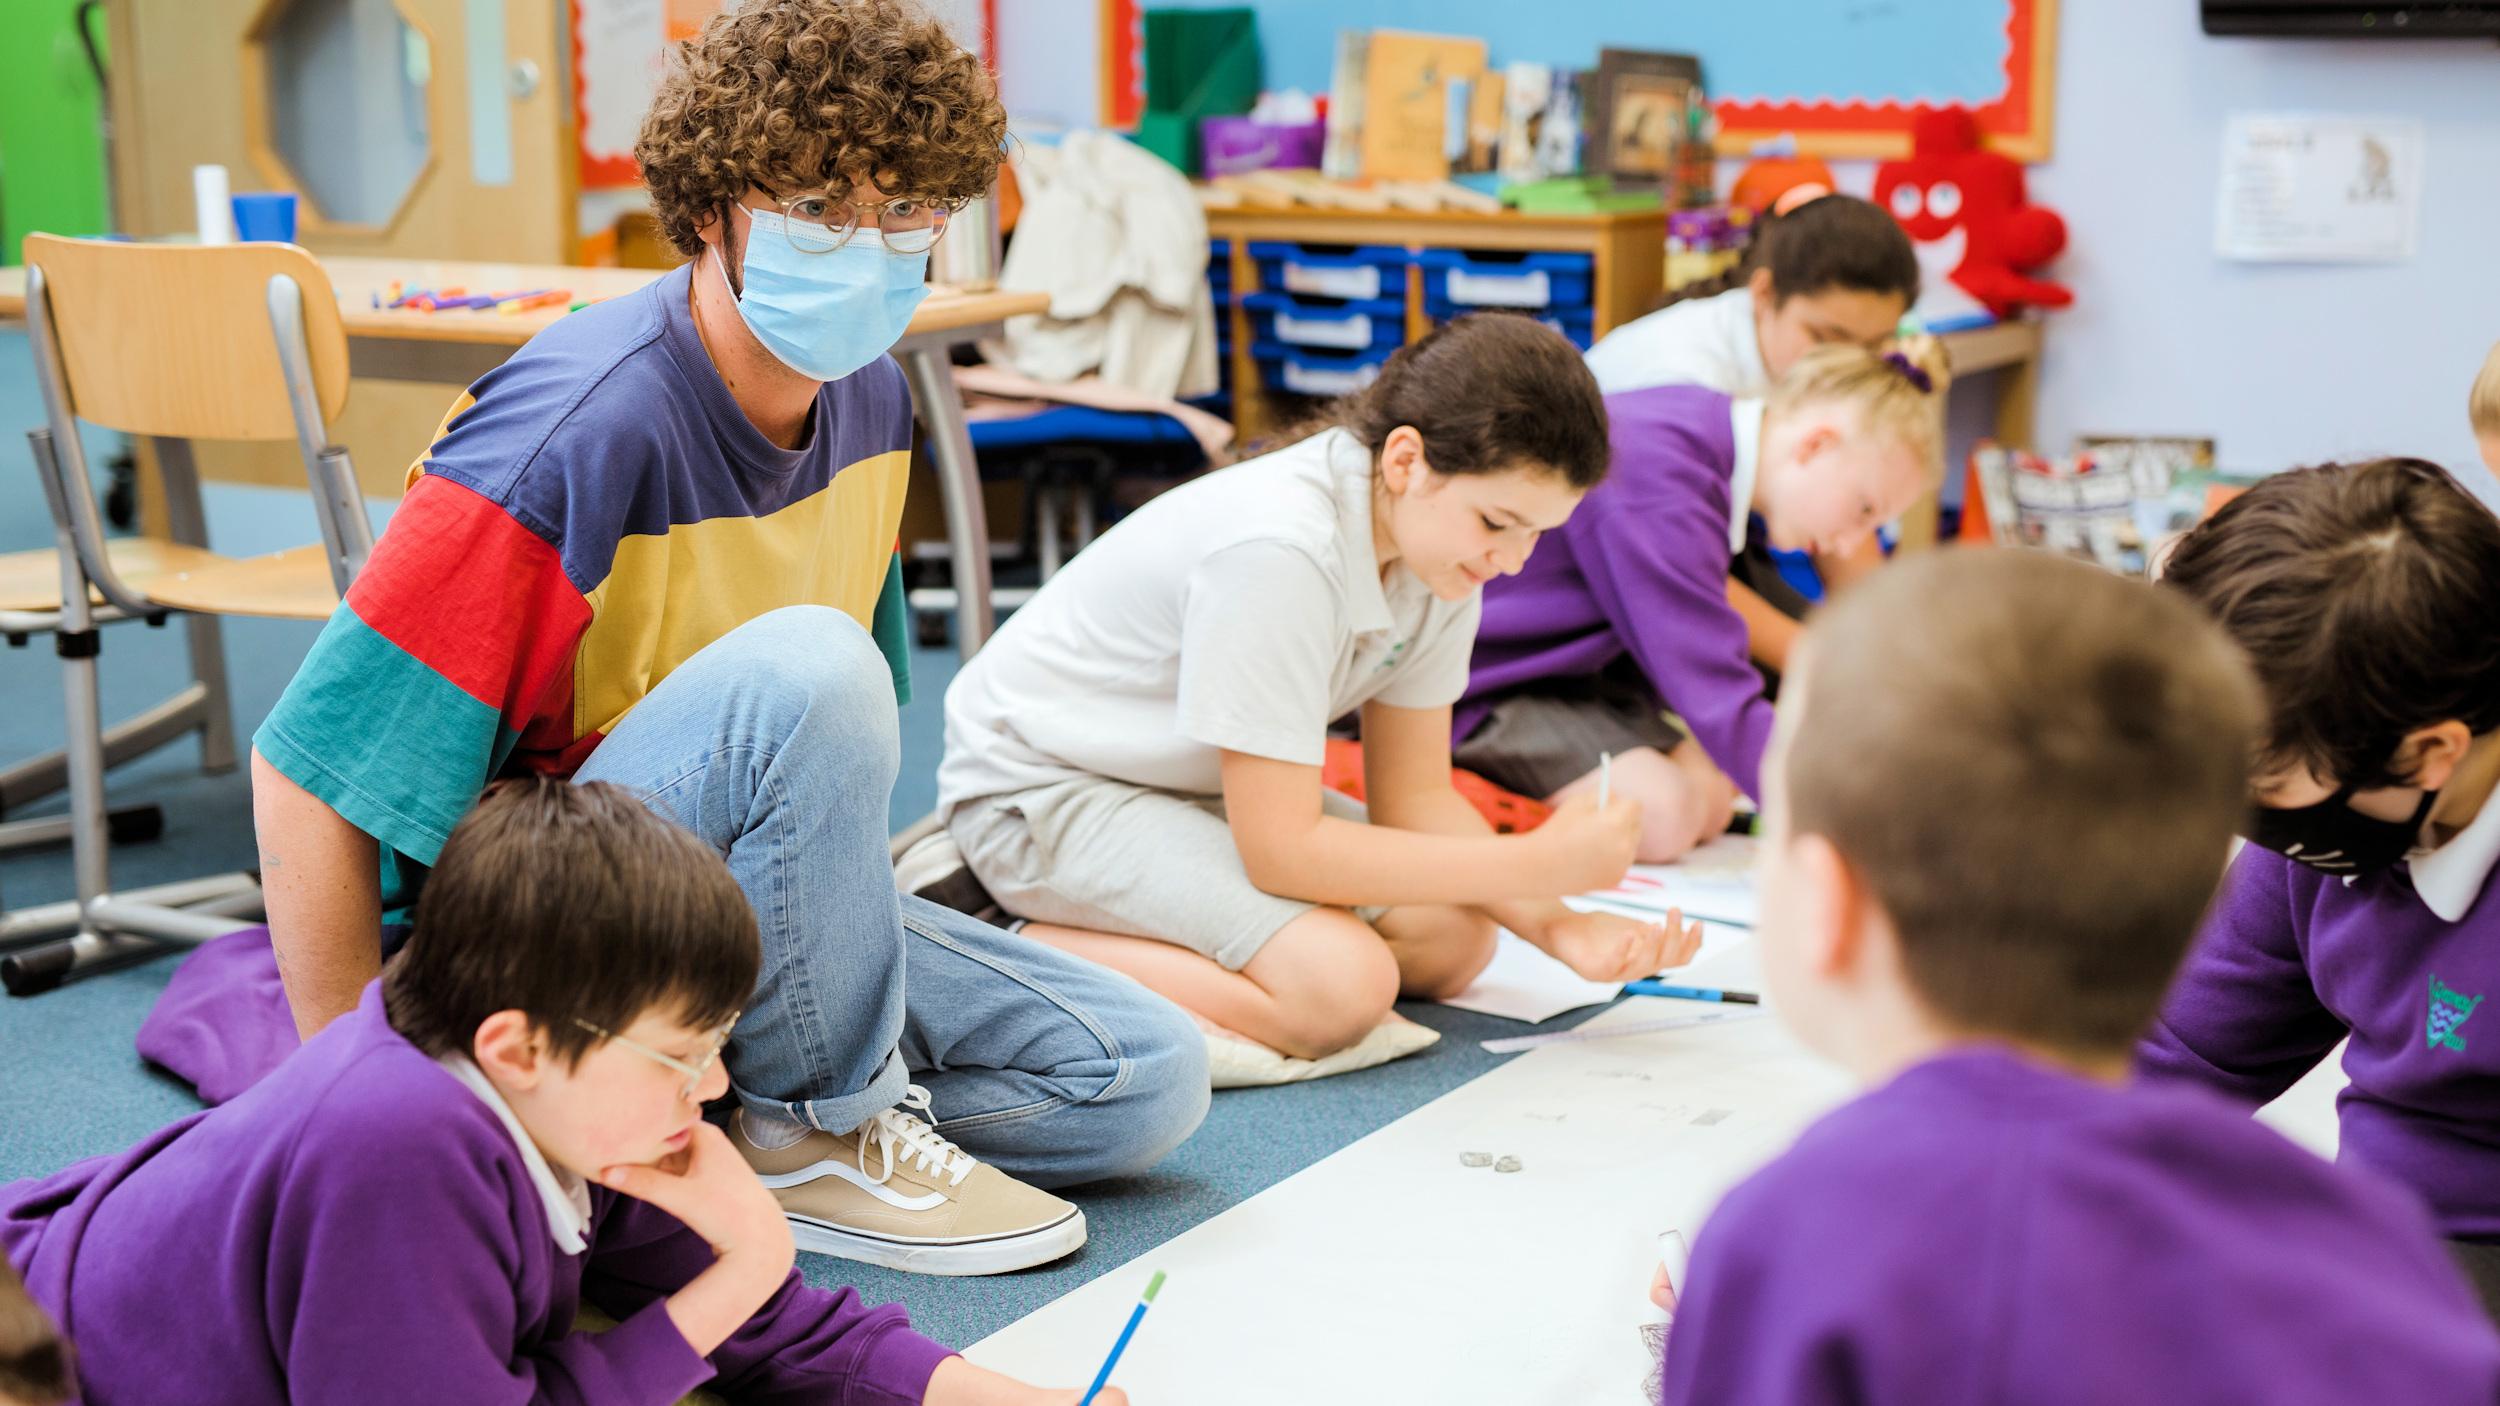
(1103, 854)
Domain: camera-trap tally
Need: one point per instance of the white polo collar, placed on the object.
(2452, 876)
(565, 1194)
(1745, 413)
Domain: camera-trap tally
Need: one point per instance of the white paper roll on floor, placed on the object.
(214, 204)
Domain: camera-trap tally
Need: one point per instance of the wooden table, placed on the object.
(455, 348)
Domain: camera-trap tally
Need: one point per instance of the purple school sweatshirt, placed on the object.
(1641, 566)
(1984, 1231)
(359, 1227)
(2292, 960)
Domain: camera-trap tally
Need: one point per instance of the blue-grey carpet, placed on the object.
(75, 1089)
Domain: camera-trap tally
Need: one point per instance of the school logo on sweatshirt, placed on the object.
(2449, 1010)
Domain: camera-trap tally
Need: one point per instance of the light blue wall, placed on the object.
(1743, 44)
(2284, 364)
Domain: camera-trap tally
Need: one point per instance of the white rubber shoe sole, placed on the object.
(989, 1254)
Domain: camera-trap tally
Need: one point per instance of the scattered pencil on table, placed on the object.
(400, 298)
(1648, 987)
(1136, 1316)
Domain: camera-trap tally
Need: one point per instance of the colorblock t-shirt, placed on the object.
(591, 513)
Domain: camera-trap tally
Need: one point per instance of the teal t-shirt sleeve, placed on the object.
(891, 629)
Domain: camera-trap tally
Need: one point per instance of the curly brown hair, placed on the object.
(806, 95)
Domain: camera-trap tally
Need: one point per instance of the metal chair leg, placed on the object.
(34, 778)
(187, 522)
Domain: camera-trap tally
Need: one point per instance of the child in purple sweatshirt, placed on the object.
(2364, 908)
(1999, 795)
(417, 1205)
(1624, 612)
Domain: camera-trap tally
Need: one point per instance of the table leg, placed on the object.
(959, 486)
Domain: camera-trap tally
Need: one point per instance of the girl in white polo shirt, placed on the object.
(1133, 762)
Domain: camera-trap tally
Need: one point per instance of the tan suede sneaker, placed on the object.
(894, 1193)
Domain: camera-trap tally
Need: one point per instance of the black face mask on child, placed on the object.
(2333, 838)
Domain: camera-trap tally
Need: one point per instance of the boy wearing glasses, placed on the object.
(502, 1134)
(651, 549)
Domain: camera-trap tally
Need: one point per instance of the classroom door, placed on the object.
(407, 128)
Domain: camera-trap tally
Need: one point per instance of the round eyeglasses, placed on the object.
(693, 1071)
(907, 224)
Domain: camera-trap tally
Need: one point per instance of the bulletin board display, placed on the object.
(1905, 70)
(620, 48)
(1844, 76)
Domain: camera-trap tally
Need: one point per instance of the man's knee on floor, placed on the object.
(1165, 1095)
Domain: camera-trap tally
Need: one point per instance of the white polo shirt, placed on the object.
(1699, 342)
(1241, 612)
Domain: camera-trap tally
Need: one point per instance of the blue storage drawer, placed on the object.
(1457, 280)
(1577, 324)
(1326, 322)
(1331, 270)
(1312, 371)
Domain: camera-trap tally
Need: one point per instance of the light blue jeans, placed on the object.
(778, 744)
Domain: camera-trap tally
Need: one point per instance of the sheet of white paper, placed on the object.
(1383, 1271)
(1715, 882)
(2319, 188)
(1523, 983)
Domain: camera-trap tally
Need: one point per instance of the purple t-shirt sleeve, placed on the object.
(804, 1345)
(391, 1281)
(1656, 560)
(2243, 1018)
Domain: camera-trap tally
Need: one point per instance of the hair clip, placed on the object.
(1911, 372)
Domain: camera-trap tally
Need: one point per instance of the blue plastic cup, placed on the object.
(268, 216)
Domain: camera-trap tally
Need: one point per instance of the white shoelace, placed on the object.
(922, 1148)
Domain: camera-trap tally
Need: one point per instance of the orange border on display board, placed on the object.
(2016, 122)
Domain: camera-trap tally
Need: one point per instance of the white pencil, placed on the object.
(1605, 778)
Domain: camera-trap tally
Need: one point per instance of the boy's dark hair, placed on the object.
(2036, 767)
(2365, 596)
(34, 1362)
(570, 902)
(799, 96)
(1831, 241)
(1489, 391)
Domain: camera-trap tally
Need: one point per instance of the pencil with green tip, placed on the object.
(1136, 1316)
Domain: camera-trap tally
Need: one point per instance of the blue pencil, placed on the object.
(1647, 987)
(1136, 1316)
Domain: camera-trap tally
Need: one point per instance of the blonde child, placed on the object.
(2483, 408)
(1626, 613)
(1831, 269)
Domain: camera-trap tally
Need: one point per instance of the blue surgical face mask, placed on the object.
(826, 315)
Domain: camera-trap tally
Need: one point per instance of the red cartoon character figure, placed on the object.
(1948, 184)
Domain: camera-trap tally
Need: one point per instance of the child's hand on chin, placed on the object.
(959, 1383)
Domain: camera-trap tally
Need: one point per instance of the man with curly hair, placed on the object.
(649, 550)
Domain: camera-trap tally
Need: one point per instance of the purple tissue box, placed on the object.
(1232, 145)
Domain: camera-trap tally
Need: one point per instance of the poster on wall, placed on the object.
(2307, 188)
